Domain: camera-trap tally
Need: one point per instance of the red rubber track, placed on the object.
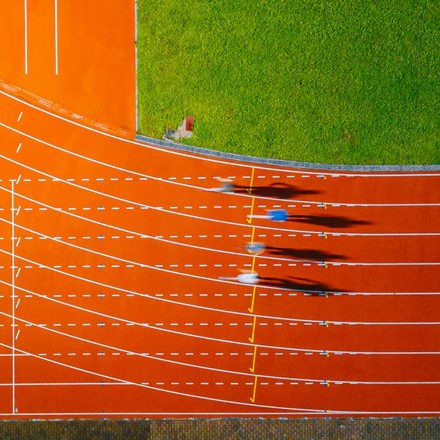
(112, 253)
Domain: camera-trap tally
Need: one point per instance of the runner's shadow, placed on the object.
(306, 254)
(278, 190)
(300, 284)
(327, 220)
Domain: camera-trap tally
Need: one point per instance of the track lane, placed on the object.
(290, 343)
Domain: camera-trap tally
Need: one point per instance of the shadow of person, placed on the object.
(304, 285)
(306, 254)
(327, 220)
(278, 190)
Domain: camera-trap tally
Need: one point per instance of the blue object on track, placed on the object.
(278, 215)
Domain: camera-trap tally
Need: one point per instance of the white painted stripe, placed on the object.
(25, 37)
(13, 406)
(222, 414)
(207, 159)
(208, 219)
(171, 180)
(219, 370)
(227, 341)
(56, 34)
(194, 396)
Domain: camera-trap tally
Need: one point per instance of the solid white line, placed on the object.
(205, 398)
(64, 384)
(224, 414)
(227, 341)
(213, 220)
(142, 265)
(176, 393)
(141, 235)
(222, 251)
(207, 159)
(25, 37)
(13, 293)
(56, 34)
(173, 182)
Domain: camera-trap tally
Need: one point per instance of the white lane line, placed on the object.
(56, 34)
(64, 384)
(329, 203)
(217, 370)
(227, 341)
(131, 263)
(207, 159)
(18, 148)
(25, 37)
(215, 220)
(13, 294)
(220, 414)
(19, 117)
(193, 396)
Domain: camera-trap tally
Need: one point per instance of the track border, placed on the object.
(279, 162)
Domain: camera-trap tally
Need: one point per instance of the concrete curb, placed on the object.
(283, 163)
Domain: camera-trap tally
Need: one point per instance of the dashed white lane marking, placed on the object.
(159, 295)
(171, 354)
(158, 383)
(216, 324)
(19, 117)
(173, 207)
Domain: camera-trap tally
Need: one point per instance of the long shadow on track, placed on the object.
(300, 284)
(327, 220)
(306, 254)
(277, 190)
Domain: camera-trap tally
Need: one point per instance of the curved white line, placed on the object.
(254, 405)
(172, 182)
(159, 269)
(194, 396)
(239, 254)
(207, 159)
(214, 279)
(219, 370)
(227, 341)
(246, 225)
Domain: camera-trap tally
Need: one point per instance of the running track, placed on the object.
(111, 253)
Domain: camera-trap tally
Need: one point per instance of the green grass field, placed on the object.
(321, 81)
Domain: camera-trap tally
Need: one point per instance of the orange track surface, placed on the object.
(111, 253)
